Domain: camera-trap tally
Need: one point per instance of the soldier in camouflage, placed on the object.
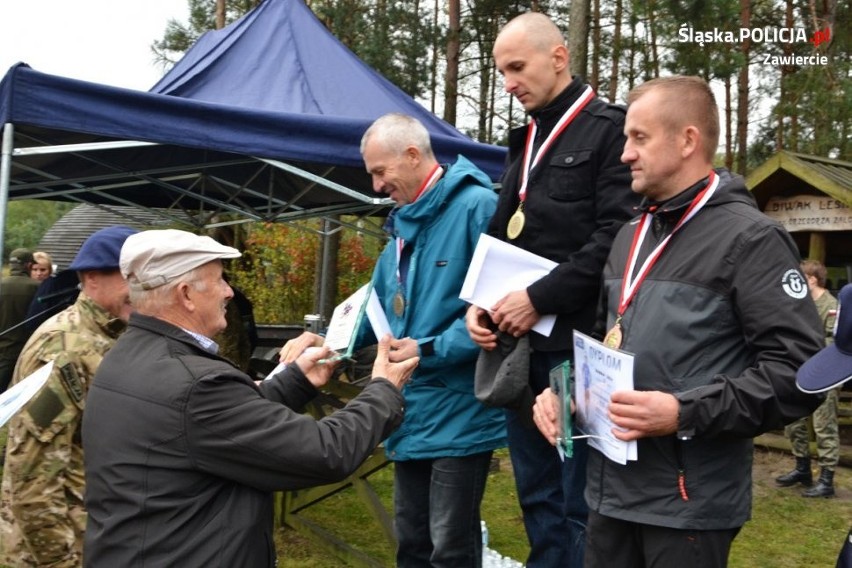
(41, 515)
(825, 417)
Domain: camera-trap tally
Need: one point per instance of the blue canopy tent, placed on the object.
(261, 119)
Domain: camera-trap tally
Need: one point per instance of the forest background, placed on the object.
(782, 71)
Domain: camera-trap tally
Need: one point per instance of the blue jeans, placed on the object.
(436, 505)
(550, 491)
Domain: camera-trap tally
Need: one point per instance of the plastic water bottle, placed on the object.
(484, 535)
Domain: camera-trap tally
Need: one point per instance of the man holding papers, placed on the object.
(443, 449)
(565, 194)
(705, 292)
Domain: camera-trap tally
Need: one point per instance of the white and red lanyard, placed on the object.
(630, 284)
(531, 161)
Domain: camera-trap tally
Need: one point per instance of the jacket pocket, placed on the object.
(571, 176)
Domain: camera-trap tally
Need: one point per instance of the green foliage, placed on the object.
(393, 37)
(28, 220)
(278, 268)
(179, 37)
(812, 115)
(405, 40)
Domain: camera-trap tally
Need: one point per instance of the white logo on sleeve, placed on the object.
(794, 284)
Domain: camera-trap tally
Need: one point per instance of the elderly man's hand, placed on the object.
(398, 372)
(309, 362)
(295, 347)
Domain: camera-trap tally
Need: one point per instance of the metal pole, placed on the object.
(5, 174)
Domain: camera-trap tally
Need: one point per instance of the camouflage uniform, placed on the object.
(824, 417)
(41, 516)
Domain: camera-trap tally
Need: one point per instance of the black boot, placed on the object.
(824, 486)
(802, 474)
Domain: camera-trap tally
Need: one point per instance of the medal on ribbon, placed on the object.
(614, 336)
(398, 303)
(516, 223)
(630, 283)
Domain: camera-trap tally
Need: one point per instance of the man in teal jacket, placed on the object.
(443, 449)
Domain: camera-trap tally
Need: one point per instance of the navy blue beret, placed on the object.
(102, 250)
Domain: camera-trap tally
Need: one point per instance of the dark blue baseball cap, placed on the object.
(833, 365)
(102, 250)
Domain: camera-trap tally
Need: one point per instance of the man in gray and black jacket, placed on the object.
(717, 314)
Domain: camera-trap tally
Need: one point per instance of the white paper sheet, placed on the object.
(376, 315)
(498, 268)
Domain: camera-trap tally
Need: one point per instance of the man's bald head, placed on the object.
(531, 55)
(536, 29)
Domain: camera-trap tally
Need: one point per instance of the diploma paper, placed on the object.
(498, 268)
(345, 321)
(347, 317)
(18, 395)
(599, 371)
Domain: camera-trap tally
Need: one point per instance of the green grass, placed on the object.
(786, 530)
(347, 518)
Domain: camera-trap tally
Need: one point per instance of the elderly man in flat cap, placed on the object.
(184, 450)
(42, 517)
(16, 292)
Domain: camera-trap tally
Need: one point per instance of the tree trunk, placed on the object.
(220, 14)
(595, 78)
(433, 81)
(631, 60)
(616, 52)
(729, 135)
(786, 72)
(742, 91)
(655, 51)
(451, 83)
(578, 36)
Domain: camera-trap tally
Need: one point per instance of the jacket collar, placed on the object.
(407, 221)
(547, 116)
(107, 323)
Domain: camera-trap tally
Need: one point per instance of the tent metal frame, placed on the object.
(273, 208)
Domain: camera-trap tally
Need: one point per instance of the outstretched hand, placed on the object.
(397, 372)
(295, 347)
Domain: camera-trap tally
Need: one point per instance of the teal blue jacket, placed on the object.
(442, 416)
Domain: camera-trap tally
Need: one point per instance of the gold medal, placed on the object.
(399, 304)
(614, 336)
(516, 223)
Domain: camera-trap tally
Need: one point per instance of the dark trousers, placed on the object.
(436, 505)
(550, 491)
(613, 543)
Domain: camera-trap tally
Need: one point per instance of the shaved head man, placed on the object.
(565, 194)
